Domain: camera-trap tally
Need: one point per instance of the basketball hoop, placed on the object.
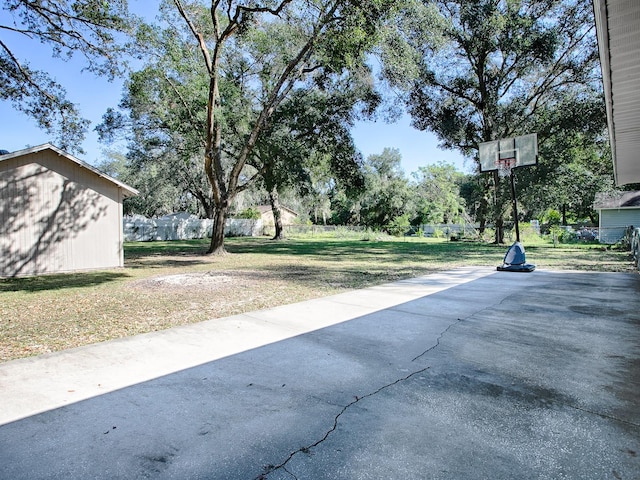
(502, 156)
(505, 165)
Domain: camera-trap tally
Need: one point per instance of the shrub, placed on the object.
(249, 213)
(399, 225)
(438, 233)
(567, 236)
(553, 217)
(528, 234)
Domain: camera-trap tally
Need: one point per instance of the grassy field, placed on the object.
(165, 284)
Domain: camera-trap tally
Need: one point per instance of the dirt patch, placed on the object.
(199, 281)
(208, 279)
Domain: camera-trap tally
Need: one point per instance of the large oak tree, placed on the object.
(303, 41)
(499, 65)
(265, 113)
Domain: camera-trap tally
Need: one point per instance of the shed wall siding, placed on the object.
(56, 217)
(613, 223)
(287, 217)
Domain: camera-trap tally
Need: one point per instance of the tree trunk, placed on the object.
(205, 203)
(481, 214)
(210, 211)
(217, 235)
(484, 207)
(499, 228)
(274, 199)
(483, 224)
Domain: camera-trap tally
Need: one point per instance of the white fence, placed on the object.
(183, 226)
(611, 235)
(438, 230)
(632, 241)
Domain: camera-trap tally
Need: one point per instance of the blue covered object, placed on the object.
(515, 260)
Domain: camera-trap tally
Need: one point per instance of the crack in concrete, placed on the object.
(283, 466)
(601, 415)
(272, 468)
(437, 344)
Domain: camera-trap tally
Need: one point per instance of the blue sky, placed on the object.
(417, 148)
(94, 95)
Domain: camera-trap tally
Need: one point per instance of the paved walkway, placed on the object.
(470, 373)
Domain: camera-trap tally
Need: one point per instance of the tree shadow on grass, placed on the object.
(60, 281)
(393, 260)
(148, 253)
(163, 262)
(385, 251)
(136, 250)
(350, 277)
(165, 254)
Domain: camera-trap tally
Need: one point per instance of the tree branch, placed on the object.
(190, 112)
(25, 74)
(203, 46)
(279, 93)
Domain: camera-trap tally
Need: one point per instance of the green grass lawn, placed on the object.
(166, 284)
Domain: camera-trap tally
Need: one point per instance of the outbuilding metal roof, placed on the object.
(618, 30)
(616, 200)
(127, 190)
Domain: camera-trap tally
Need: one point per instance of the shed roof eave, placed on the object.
(127, 190)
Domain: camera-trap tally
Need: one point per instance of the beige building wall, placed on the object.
(288, 217)
(56, 216)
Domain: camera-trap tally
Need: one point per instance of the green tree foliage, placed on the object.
(496, 68)
(86, 28)
(437, 196)
(472, 190)
(574, 161)
(157, 196)
(161, 119)
(387, 194)
(390, 202)
(571, 170)
(308, 139)
(305, 142)
(249, 213)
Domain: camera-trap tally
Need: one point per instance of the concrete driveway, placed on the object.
(467, 374)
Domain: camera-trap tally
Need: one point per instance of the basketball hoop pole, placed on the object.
(515, 205)
(506, 167)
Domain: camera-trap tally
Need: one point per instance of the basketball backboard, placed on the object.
(515, 152)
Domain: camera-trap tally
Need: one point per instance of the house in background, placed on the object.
(266, 214)
(617, 211)
(58, 214)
